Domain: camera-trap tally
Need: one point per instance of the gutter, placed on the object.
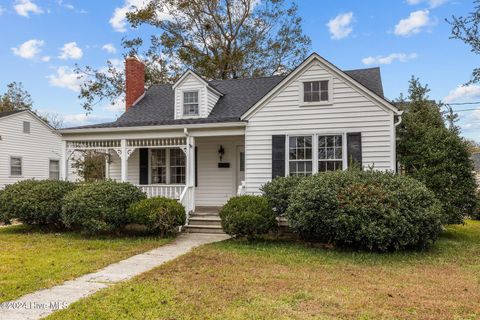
(157, 128)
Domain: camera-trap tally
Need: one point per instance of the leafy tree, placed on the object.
(90, 165)
(219, 39)
(467, 30)
(15, 98)
(436, 155)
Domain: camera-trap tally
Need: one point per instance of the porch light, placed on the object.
(221, 152)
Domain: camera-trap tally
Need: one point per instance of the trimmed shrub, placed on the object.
(159, 215)
(3, 213)
(366, 210)
(35, 202)
(247, 216)
(100, 206)
(278, 191)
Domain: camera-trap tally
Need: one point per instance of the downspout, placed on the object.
(396, 124)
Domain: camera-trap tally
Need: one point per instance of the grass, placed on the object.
(285, 280)
(32, 259)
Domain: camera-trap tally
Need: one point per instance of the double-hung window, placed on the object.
(16, 166)
(167, 166)
(316, 91)
(300, 155)
(159, 166)
(177, 166)
(330, 153)
(190, 103)
(54, 170)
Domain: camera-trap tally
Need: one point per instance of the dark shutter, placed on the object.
(278, 156)
(354, 149)
(143, 166)
(196, 167)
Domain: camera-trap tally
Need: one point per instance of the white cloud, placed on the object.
(46, 58)
(463, 93)
(401, 57)
(432, 3)
(415, 23)
(2, 10)
(119, 19)
(65, 77)
(25, 7)
(341, 26)
(70, 51)
(29, 49)
(110, 48)
(80, 119)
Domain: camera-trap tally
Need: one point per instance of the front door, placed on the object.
(240, 165)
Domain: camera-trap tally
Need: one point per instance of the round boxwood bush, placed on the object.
(366, 210)
(100, 206)
(247, 216)
(278, 191)
(159, 215)
(35, 202)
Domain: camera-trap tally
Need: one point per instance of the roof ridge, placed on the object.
(370, 68)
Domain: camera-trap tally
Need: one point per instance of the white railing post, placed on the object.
(64, 162)
(124, 160)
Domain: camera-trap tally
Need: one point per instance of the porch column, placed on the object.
(64, 162)
(124, 160)
(190, 166)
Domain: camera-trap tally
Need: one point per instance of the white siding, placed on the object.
(216, 185)
(35, 148)
(351, 111)
(212, 99)
(115, 173)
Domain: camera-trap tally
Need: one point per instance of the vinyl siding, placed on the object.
(206, 97)
(216, 185)
(351, 111)
(115, 172)
(36, 148)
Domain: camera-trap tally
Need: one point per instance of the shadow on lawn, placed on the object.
(459, 243)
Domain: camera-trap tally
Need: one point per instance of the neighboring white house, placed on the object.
(29, 148)
(201, 141)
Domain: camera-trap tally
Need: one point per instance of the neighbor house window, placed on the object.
(190, 103)
(316, 91)
(26, 127)
(330, 153)
(168, 166)
(177, 166)
(300, 155)
(54, 170)
(159, 166)
(15, 166)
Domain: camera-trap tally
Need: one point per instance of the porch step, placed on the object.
(205, 220)
(192, 228)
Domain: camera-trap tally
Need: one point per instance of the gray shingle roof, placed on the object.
(157, 106)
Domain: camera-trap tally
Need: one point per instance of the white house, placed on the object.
(29, 148)
(202, 141)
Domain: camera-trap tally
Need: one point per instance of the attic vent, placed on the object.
(26, 127)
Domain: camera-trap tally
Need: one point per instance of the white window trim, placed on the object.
(182, 97)
(315, 103)
(315, 149)
(59, 170)
(10, 167)
(168, 171)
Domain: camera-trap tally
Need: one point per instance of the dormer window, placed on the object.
(317, 92)
(190, 103)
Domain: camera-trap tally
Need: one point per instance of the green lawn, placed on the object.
(284, 280)
(31, 259)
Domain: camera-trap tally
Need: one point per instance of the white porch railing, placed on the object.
(242, 189)
(163, 190)
(187, 200)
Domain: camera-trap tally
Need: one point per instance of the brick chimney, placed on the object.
(135, 81)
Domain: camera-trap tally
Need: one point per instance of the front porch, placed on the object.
(197, 171)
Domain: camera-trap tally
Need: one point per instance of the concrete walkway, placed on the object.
(44, 302)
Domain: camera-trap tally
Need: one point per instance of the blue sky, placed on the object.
(43, 39)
